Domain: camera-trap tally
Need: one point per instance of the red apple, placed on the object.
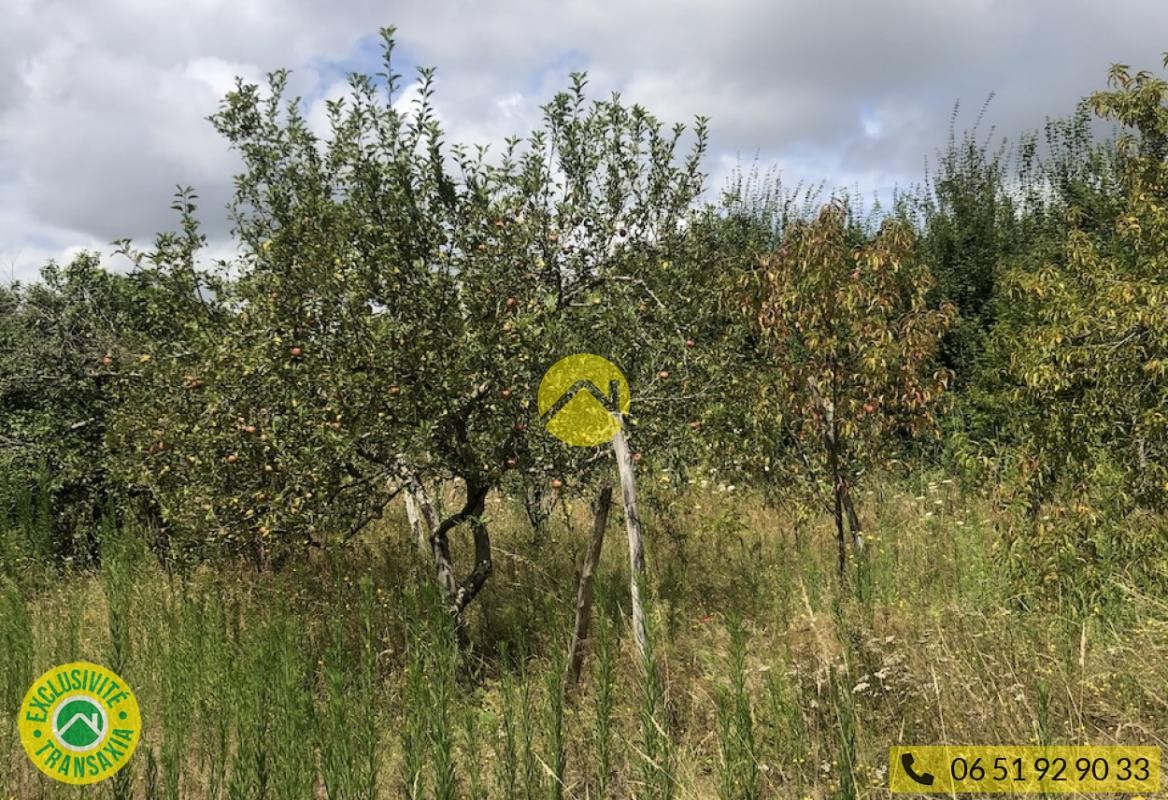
(557, 483)
(296, 351)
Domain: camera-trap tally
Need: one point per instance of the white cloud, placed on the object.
(511, 106)
(103, 105)
(317, 115)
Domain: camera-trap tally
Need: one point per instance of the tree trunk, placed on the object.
(840, 538)
(150, 513)
(624, 464)
(854, 523)
(420, 511)
(420, 536)
(827, 426)
(538, 509)
(459, 596)
(473, 583)
(600, 510)
(444, 567)
(841, 497)
(262, 560)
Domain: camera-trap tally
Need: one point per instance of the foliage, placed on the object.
(1084, 332)
(969, 225)
(70, 348)
(852, 343)
(388, 318)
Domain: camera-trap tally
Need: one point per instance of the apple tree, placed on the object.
(70, 344)
(395, 302)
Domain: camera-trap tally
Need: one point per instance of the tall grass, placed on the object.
(654, 747)
(738, 772)
(340, 678)
(507, 742)
(414, 732)
(603, 736)
(476, 788)
(556, 760)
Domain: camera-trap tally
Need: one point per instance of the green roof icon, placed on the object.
(79, 723)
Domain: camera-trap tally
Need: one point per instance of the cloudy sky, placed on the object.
(103, 102)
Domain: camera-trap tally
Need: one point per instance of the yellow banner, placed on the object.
(1087, 769)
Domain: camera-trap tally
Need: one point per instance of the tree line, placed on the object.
(395, 300)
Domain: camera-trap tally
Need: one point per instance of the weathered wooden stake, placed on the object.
(600, 509)
(624, 464)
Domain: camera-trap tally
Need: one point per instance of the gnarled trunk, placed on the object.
(854, 524)
(459, 595)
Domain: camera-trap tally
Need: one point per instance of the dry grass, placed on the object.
(924, 647)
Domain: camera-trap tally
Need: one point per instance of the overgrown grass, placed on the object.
(339, 677)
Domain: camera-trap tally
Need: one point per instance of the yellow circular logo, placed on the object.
(580, 398)
(79, 723)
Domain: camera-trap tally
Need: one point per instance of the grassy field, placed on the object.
(339, 678)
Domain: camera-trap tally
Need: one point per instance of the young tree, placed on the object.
(852, 344)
